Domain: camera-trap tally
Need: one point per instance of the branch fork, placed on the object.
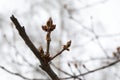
(43, 56)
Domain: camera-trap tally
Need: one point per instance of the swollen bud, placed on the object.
(68, 43)
(49, 22)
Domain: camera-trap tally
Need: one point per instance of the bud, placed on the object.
(75, 64)
(114, 54)
(118, 49)
(41, 51)
(68, 43)
(52, 27)
(69, 64)
(84, 66)
(49, 26)
(49, 22)
(45, 28)
(66, 47)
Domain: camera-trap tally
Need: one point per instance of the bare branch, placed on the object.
(95, 70)
(44, 65)
(17, 74)
(103, 67)
(65, 47)
(23, 34)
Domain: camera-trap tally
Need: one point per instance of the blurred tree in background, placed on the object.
(93, 42)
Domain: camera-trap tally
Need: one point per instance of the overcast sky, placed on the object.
(108, 14)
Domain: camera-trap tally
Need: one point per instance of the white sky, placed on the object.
(108, 14)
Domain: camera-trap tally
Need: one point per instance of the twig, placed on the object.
(48, 43)
(65, 47)
(17, 74)
(57, 54)
(95, 70)
(103, 67)
(61, 70)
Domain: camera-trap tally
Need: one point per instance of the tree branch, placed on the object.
(24, 36)
(44, 65)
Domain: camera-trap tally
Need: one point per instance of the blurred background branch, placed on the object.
(92, 25)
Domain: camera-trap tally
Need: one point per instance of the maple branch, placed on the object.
(44, 65)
